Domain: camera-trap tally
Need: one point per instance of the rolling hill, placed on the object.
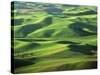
(53, 37)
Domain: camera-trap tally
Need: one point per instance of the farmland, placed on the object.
(53, 37)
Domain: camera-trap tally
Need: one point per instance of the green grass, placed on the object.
(53, 64)
(65, 39)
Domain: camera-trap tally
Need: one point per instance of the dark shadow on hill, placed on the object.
(52, 10)
(56, 12)
(66, 42)
(17, 21)
(25, 30)
(32, 40)
(85, 49)
(78, 27)
(23, 62)
(48, 33)
(31, 46)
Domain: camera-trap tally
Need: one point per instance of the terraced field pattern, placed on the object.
(53, 37)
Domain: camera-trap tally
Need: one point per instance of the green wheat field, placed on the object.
(53, 37)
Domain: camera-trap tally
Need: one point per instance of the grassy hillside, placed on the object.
(53, 37)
